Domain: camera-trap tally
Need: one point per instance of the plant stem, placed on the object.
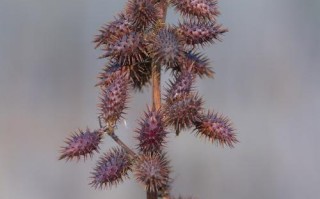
(152, 195)
(122, 144)
(156, 84)
(156, 68)
(110, 131)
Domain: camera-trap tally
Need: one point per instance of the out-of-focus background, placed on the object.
(267, 81)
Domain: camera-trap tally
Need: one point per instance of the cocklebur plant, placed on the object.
(138, 45)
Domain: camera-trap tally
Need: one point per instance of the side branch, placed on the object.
(110, 131)
(120, 143)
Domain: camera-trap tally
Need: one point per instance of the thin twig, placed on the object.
(110, 131)
(122, 144)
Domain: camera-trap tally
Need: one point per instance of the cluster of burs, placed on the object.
(137, 44)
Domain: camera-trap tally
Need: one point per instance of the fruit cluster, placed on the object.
(138, 44)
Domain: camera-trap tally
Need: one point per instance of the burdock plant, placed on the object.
(138, 45)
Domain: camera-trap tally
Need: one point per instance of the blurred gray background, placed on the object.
(267, 80)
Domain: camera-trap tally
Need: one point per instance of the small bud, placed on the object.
(151, 133)
(216, 128)
(81, 144)
(152, 171)
(182, 112)
(193, 33)
(202, 9)
(111, 169)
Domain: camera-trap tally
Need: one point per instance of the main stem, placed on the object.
(156, 84)
(156, 68)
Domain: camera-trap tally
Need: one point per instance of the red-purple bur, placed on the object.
(194, 33)
(183, 111)
(111, 169)
(81, 144)
(197, 63)
(114, 98)
(126, 50)
(142, 13)
(114, 30)
(202, 9)
(140, 73)
(166, 47)
(151, 134)
(152, 170)
(111, 72)
(181, 85)
(216, 128)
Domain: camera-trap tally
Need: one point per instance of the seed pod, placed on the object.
(152, 170)
(194, 33)
(166, 47)
(216, 128)
(197, 63)
(182, 84)
(142, 13)
(82, 144)
(140, 73)
(127, 50)
(202, 9)
(151, 134)
(183, 111)
(111, 169)
(114, 98)
(109, 74)
(114, 30)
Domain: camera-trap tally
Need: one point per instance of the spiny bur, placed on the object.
(143, 13)
(152, 170)
(200, 33)
(198, 64)
(183, 111)
(111, 169)
(151, 134)
(201, 9)
(216, 128)
(81, 144)
(166, 48)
